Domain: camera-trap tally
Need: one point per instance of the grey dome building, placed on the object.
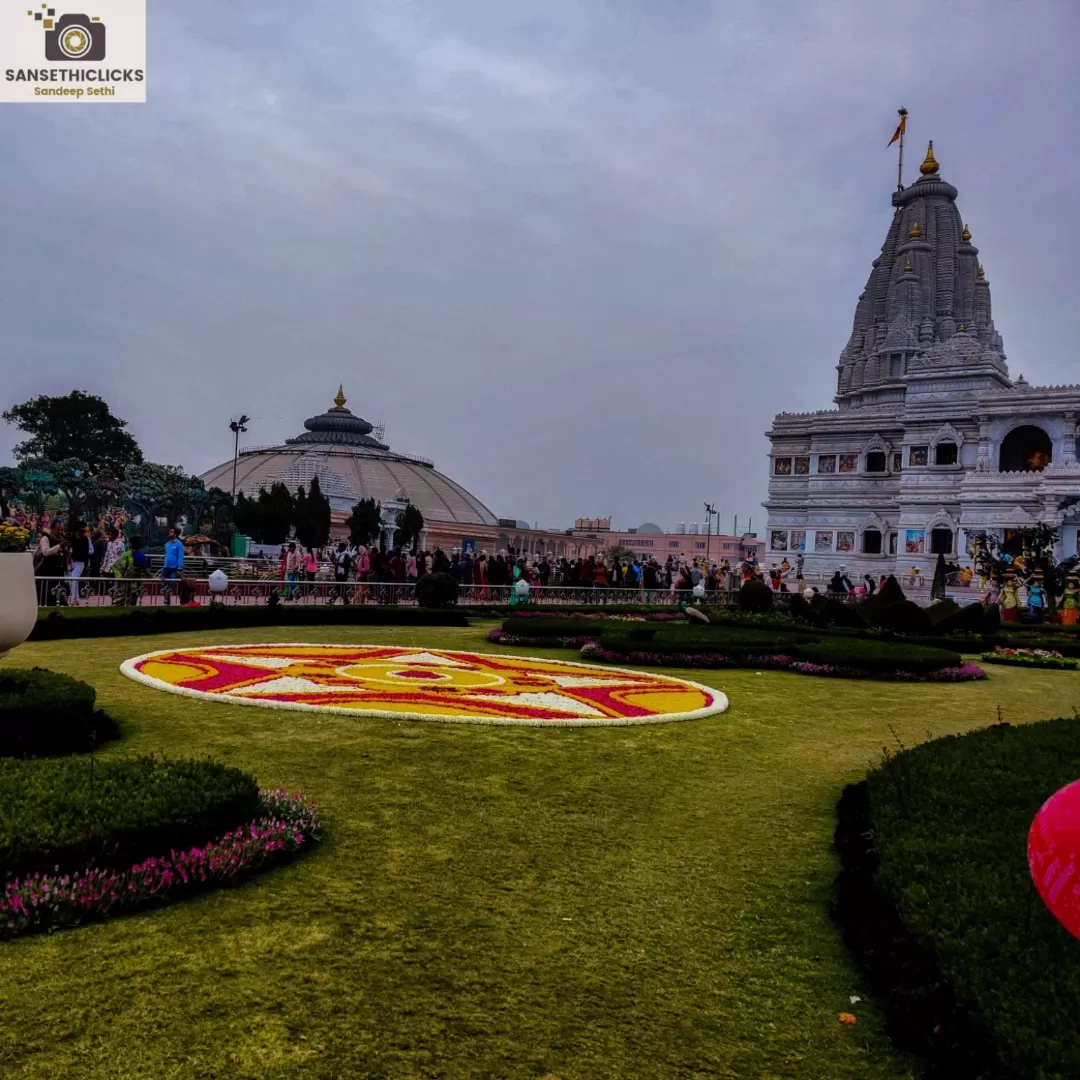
(351, 464)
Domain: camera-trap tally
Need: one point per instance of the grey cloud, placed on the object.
(579, 254)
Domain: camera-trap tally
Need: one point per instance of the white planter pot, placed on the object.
(18, 599)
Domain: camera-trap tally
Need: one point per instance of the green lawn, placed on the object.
(498, 902)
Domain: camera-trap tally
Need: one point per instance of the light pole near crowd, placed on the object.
(236, 426)
(710, 511)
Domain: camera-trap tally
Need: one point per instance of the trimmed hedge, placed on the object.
(436, 591)
(117, 622)
(937, 900)
(756, 596)
(44, 713)
(72, 812)
(555, 627)
(877, 656)
(688, 640)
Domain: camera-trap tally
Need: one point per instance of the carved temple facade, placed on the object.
(931, 442)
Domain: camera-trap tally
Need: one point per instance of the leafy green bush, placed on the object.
(43, 713)
(835, 612)
(941, 609)
(755, 596)
(554, 627)
(683, 639)
(969, 619)
(118, 621)
(436, 591)
(890, 593)
(800, 608)
(905, 618)
(865, 654)
(68, 812)
(947, 865)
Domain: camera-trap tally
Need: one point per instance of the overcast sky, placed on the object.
(577, 252)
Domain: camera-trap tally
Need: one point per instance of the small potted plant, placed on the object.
(18, 593)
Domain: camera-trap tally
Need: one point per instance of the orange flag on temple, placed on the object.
(900, 129)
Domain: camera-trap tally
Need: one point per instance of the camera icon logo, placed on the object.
(71, 37)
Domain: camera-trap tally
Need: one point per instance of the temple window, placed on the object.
(917, 455)
(802, 466)
(782, 466)
(875, 461)
(1026, 449)
(941, 541)
(826, 463)
(946, 453)
(871, 542)
(896, 365)
(849, 463)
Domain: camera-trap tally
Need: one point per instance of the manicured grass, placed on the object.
(497, 902)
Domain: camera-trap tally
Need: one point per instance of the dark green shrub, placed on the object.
(949, 821)
(969, 619)
(905, 618)
(837, 613)
(555, 627)
(698, 640)
(436, 591)
(877, 656)
(119, 621)
(941, 609)
(800, 608)
(44, 713)
(755, 596)
(68, 812)
(890, 593)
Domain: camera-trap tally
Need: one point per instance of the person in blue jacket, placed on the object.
(174, 561)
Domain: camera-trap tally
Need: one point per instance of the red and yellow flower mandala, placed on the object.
(425, 684)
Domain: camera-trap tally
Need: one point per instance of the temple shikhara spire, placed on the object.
(931, 443)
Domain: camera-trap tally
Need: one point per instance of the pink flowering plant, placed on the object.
(1041, 658)
(45, 902)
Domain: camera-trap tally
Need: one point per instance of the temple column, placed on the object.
(1068, 440)
(983, 462)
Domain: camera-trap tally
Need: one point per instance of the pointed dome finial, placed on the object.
(915, 233)
(907, 269)
(339, 399)
(929, 165)
(966, 234)
(982, 273)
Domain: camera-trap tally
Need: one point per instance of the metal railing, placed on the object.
(151, 589)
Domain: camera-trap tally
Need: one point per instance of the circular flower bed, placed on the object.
(425, 684)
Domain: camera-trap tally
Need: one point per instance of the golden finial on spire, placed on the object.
(929, 165)
(907, 269)
(339, 400)
(915, 233)
(982, 273)
(966, 234)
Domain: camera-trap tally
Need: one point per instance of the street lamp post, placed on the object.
(710, 510)
(236, 426)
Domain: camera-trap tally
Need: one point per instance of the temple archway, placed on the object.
(1026, 449)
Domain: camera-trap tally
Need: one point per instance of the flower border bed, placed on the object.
(46, 902)
(1030, 658)
(777, 662)
(498, 636)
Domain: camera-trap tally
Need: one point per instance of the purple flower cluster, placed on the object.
(51, 901)
(963, 673)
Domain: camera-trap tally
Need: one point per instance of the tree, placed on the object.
(410, 524)
(300, 518)
(937, 587)
(365, 522)
(318, 516)
(150, 491)
(275, 514)
(77, 425)
(10, 486)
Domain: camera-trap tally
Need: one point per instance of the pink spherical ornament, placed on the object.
(1054, 855)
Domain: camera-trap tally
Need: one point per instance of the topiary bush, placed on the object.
(44, 713)
(436, 591)
(800, 608)
(940, 610)
(836, 613)
(905, 618)
(755, 596)
(864, 654)
(969, 619)
(71, 812)
(120, 621)
(937, 900)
